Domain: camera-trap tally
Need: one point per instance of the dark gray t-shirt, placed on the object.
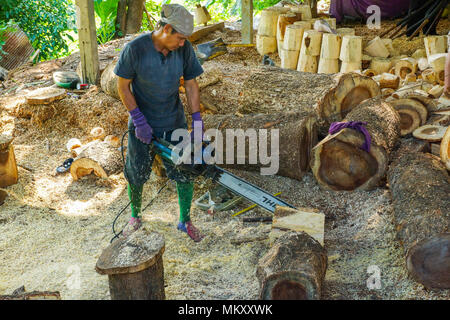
(156, 79)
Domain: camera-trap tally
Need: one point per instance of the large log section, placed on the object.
(293, 269)
(339, 163)
(273, 89)
(297, 136)
(420, 187)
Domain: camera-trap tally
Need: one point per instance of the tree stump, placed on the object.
(420, 187)
(96, 157)
(339, 163)
(134, 266)
(8, 167)
(331, 97)
(293, 269)
(297, 136)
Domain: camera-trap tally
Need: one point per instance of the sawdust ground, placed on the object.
(52, 229)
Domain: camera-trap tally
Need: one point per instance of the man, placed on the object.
(153, 64)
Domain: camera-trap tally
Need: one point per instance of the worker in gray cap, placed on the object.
(149, 71)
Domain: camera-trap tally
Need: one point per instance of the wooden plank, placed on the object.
(247, 21)
(200, 32)
(307, 220)
(87, 38)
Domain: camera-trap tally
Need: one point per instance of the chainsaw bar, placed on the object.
(247, 190)
(223, 177)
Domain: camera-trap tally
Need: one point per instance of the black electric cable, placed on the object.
(116, 235)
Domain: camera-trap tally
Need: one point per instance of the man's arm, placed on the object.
(193, 95)
(125, 94)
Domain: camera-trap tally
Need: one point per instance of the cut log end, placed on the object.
(285, 286)
(432, 133)
(344, 166)
(84, 166)
(429, 262)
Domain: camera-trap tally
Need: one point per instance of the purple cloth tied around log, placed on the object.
(355, 125)
(358, 8)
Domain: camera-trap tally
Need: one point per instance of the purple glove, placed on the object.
(143, 130)
(197, 123)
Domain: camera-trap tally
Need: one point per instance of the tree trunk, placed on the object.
(293, 269)
(134, 16)
(96, 157)
(330, 96)
(339, 163)
(297, 135)
(420, 187)
(121, 18)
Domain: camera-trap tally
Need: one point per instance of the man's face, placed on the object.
(173, 41)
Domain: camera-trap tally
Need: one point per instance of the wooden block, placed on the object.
(350, 66)
(376, 48)
(268, 23)
(265, 44)
(328, 66)
(380, 65)
(311, 43)
(308, 220)
(351, 49)
(289, 59)
(331, 46)
(200, 32)
(307, 63)
(293, 37)
(434, 45)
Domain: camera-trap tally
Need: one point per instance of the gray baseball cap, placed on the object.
(178, 16)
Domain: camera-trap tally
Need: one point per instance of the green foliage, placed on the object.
(5, 27)
(46, 23)
(106, 10)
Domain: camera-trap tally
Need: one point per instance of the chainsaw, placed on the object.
(197, 167)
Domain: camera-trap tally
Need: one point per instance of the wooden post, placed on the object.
(247, 21)
(87, 38)
(134, 266)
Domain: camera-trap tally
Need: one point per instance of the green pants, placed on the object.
(185, 193)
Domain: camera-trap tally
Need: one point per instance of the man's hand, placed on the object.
(197, 124)
(143, 130)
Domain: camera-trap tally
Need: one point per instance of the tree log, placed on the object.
(331, 96)
(420, 188)
(96, 157)
(108, 81)
(338, 163)
(412, 114)
(293, 269)
(297, 135)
